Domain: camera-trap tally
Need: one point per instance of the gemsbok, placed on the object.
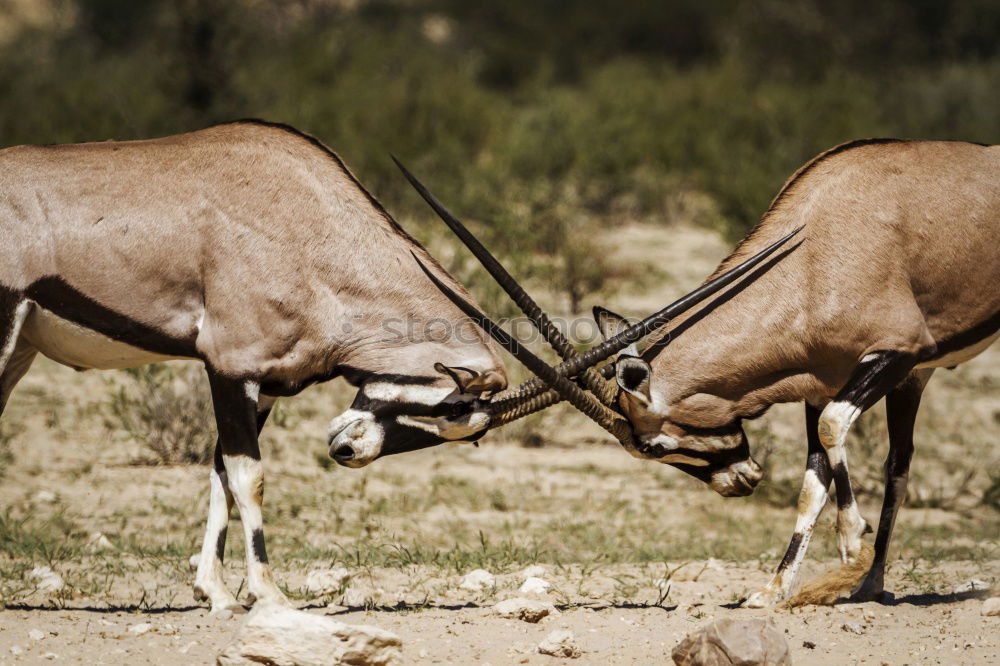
(892, 275)
(248, 246)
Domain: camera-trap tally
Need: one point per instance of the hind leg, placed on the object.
(15, 352)
(901, 411)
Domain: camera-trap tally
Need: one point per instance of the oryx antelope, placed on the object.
(894, 273)
(251, 247)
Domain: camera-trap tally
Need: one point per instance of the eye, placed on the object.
(459, 409)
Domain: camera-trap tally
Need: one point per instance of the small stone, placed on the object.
(476, 580)
(972, 585)
(730, 641)
(193, 561)
(36, 634)
(50, 656)
(98, 542)
(322, 582)
(354, 598)
(991, 607)
(46, 579)
(528, 610)
(16, 650)
(534, 586)
(534, 571)
(809, 645)
(45, 497)
(140, 629)
(187, 648)
(853, 627)
(223, 614)
(560, 643)
(274, 634)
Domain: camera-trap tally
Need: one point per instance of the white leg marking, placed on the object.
(252, 390)
(834, 424)
(20, 313)
(246, 481)
(418, 393)
(812, 499)
(209, 582)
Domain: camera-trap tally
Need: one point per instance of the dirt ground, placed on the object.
(637, 554)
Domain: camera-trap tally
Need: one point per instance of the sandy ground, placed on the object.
(605, 527)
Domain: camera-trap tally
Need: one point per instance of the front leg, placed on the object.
(237, 414)
(209, 582)
(812, 499)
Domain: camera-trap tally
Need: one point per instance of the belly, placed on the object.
(953, 358)
(80, 347)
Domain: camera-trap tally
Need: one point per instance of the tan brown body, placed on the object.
(895, 273)
(898, 251)
(248, 246)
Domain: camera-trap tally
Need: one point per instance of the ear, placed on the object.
(611, 324)
(633, 377)
(472, 381)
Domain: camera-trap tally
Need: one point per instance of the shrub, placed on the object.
(167, 409)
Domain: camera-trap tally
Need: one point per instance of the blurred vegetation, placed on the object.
(546, 118)
(167, 408)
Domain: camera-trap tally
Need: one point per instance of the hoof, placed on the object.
(762, 599)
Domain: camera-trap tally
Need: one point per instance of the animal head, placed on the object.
(628, 408)
(398, 413)
(696, 434)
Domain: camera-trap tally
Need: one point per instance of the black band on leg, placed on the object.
(259, 550)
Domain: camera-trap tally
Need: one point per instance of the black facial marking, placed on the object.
(259, 551)
(56, 295)
(220, 544)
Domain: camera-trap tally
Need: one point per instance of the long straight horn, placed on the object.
(634, 333)
(585, 402)
(600, 387)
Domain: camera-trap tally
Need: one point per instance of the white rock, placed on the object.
(140, 629)
(16, 650)
(279, 635)
(991, 607)
(193, 561)
(354, 597)
(326, 581)
(534, 571)
(50, 656)
(45, 496)
(36, 634)
(186, 648)
(973, 585)
(560, 643)
(222, 614)
(853, 627)
(46, 580)
(476, 580)
(534, 585)
(529, 610)
(99, 542)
